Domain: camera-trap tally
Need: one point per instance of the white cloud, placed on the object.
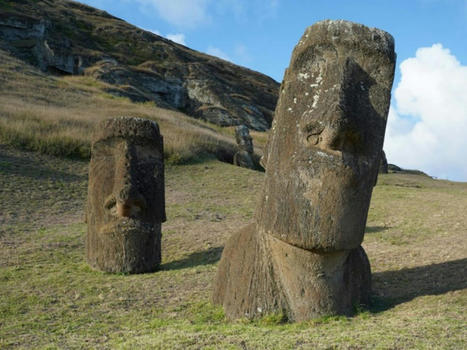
(242, 55)
(178, 38)
(214, 51)
(427, 128)
(193, 13)
(267, 9)
(182, 13)
(230, 7)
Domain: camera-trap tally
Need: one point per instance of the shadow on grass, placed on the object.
(374, 229)
(206, 257)
(391, 288)
(29, 167)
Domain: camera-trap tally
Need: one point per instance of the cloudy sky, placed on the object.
(427, 125)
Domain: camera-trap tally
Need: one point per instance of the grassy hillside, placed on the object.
(49, 298)
(67, 37)
(56, 115)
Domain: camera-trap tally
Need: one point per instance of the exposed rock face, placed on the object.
(66, 37)
(126, 204)
(27, 38)
(302, 256)
(244, 156)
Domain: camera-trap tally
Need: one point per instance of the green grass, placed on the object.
(51, 299)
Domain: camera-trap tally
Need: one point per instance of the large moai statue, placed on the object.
(126, 204)
(244, 155)
(302, 255)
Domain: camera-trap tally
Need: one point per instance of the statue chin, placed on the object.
(127, 225)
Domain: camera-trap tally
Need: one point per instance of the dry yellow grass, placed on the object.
(56, 115)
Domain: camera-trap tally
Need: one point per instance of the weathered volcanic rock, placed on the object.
(302, 256)
(66, 37)
(26, 37)
(126, 205)
(244, 155)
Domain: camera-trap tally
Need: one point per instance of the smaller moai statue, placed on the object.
(383, 164)
(126, 202)
(244, 156)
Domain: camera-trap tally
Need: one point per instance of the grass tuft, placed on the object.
(273, 319)
(204, 312)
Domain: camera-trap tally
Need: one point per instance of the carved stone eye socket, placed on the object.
(313, 131)
(313, 139)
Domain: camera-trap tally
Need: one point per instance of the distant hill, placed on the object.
(68, 38)
(392, 168)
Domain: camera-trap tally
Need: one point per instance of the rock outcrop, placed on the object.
(302, 255)
(26, 36)
(126, 205)
(66, 37)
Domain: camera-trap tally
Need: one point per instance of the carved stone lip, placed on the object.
(127, 225)
(318, 154)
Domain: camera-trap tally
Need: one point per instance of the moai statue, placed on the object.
(383, 165)
(244, 156)
(125, 205)
(302, 255)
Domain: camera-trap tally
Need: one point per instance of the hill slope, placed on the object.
(66, 37)
(57, 114)
(49, 297)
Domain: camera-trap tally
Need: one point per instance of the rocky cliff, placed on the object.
(66, 37)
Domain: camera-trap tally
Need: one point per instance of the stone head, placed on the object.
(126, 182)
(243, 138)
(326, 139)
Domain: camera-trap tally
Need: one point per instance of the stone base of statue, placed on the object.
(259, 274)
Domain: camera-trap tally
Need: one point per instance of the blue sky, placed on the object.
(428, 117)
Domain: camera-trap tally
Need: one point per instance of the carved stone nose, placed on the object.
(335, 135)
(129, 202)
(335, 139)
(124, 209)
